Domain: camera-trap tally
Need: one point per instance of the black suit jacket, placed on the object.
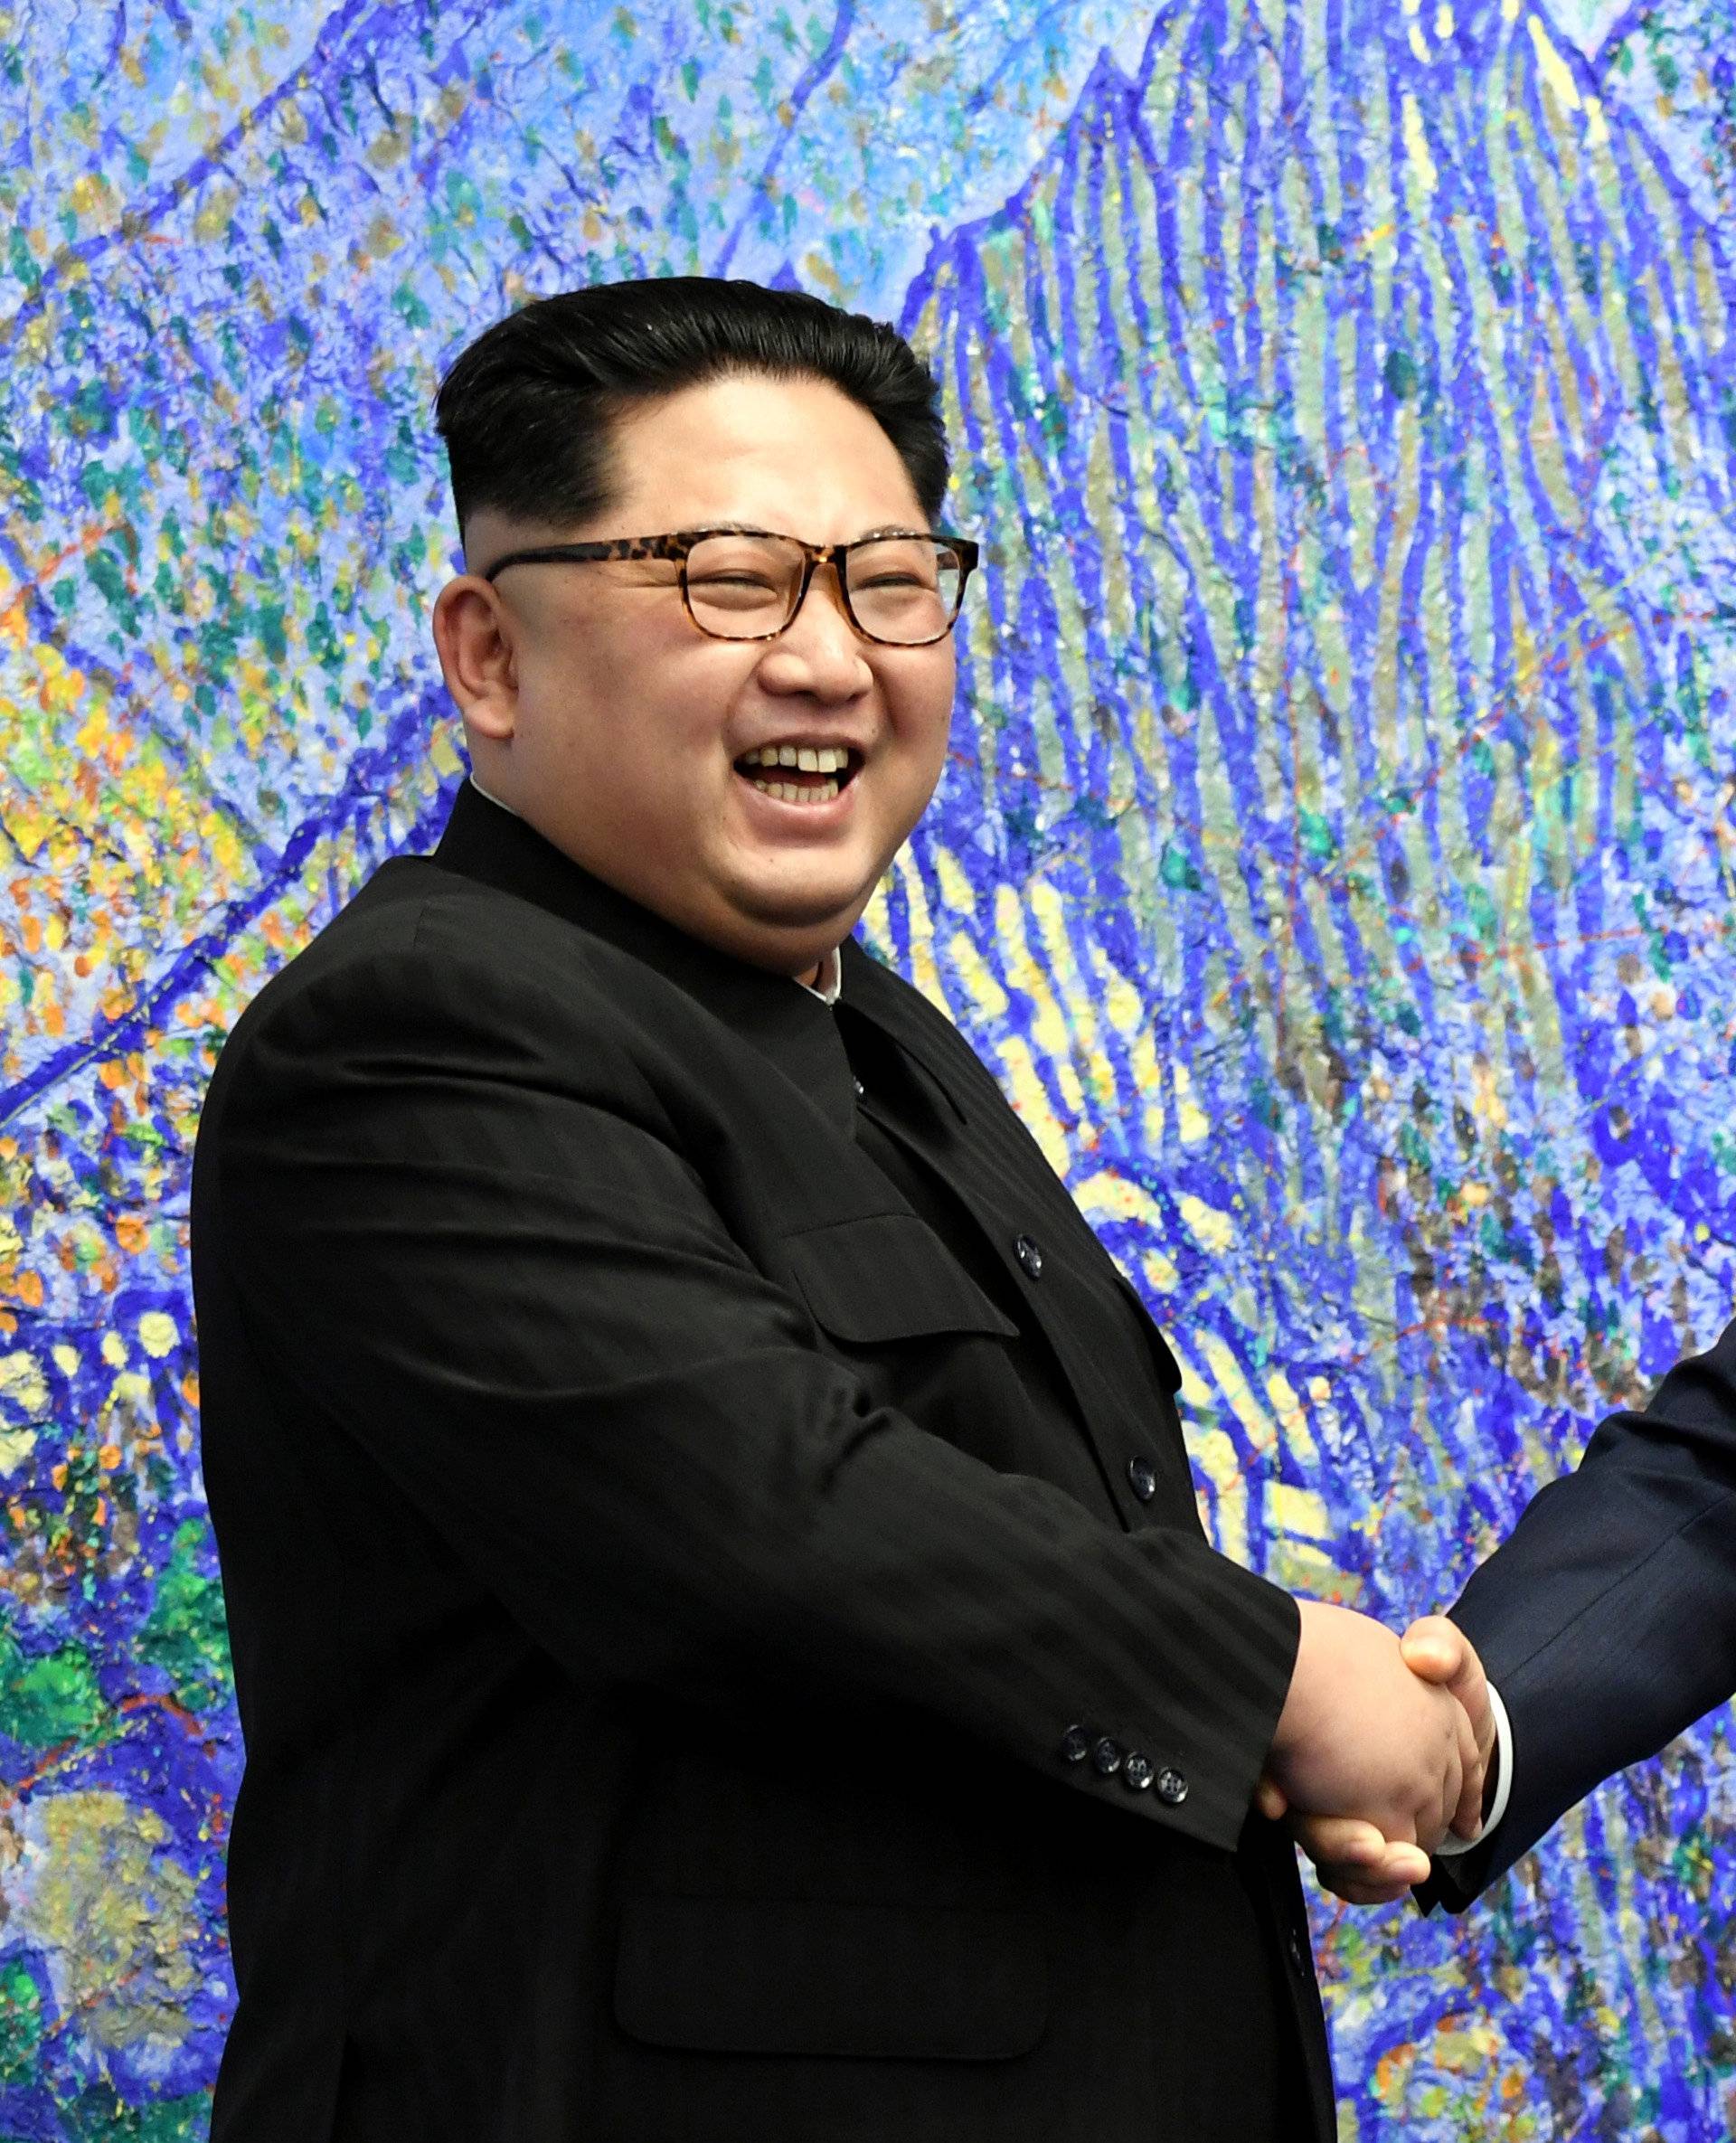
(1608, 1620)
(692, 1679)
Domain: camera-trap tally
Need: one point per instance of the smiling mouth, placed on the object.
(800, 773)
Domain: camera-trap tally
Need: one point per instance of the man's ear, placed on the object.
(474, 638)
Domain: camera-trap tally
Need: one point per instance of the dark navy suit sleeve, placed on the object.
(1608, 1620)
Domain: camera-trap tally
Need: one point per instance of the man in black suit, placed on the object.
(723, 1636)
(1594, 1634)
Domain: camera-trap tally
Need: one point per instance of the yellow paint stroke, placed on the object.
(1128, 1016)
(1191, 1119)
(1486, 1099)
(1227, 1515)
(1110, 1196)
(1195, 1396)
(1237, 1392)
(1292, 1417)
(1416, 145)
(156, 1333)
(119, 1913)
(1078, 1016)
(1025, 972)
(21, 1382)
(1024, 1085)
(443, 752)
(981, 982)
(1558, 76)
(1212, 1229)
(1299, 1514)
(955, 887)
(924, 969)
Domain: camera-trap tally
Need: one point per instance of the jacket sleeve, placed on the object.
(458, 1226)
(1608, 1620)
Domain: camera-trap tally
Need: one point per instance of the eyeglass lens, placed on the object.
(904, 589)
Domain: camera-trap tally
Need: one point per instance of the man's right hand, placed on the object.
(1365, 1739)
(1351, 1858)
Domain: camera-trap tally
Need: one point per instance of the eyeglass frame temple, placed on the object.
(677, 546)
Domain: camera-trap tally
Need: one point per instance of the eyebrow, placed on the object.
(868, 535)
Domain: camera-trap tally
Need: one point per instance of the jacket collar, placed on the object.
(486, 842)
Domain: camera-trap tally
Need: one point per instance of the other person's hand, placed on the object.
(1352, 1858)
(1440, 1651)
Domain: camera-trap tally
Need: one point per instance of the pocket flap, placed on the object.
(753, 1976)
(887, 1277)
(1169, 1370)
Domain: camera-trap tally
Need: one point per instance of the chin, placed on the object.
(827, 903)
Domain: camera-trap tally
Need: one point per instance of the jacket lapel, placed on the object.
(1014, 1197)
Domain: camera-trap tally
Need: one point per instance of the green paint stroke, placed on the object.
(184, 1633)
(48, 1700)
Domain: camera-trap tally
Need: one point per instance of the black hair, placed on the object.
(527, 410)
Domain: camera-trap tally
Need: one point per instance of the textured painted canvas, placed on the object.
(1337, 860)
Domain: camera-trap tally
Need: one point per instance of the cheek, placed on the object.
(638, 707)
(567, 681)
(922, 704)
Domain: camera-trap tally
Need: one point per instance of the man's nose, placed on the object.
(819, 650)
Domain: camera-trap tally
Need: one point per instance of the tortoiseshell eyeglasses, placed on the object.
(902, 589)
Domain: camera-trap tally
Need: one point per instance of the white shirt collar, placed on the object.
(827, 985)
(494, 799)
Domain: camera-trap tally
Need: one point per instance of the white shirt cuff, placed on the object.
(1452, 1844)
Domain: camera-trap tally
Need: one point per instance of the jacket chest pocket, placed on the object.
(886, 1277)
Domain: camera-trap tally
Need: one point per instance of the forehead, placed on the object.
(795, 455)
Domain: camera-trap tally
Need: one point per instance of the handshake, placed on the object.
(1382, 1749)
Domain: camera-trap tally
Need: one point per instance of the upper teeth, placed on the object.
(810, 759)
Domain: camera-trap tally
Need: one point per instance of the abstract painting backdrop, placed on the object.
(1337, 857)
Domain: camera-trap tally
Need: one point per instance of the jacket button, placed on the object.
(861, 1090)
(1143, 1478)
(1075, 1745)
(1029, 1256)
(1137, 1773)
(1172, 1788)
(1106, 1758)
